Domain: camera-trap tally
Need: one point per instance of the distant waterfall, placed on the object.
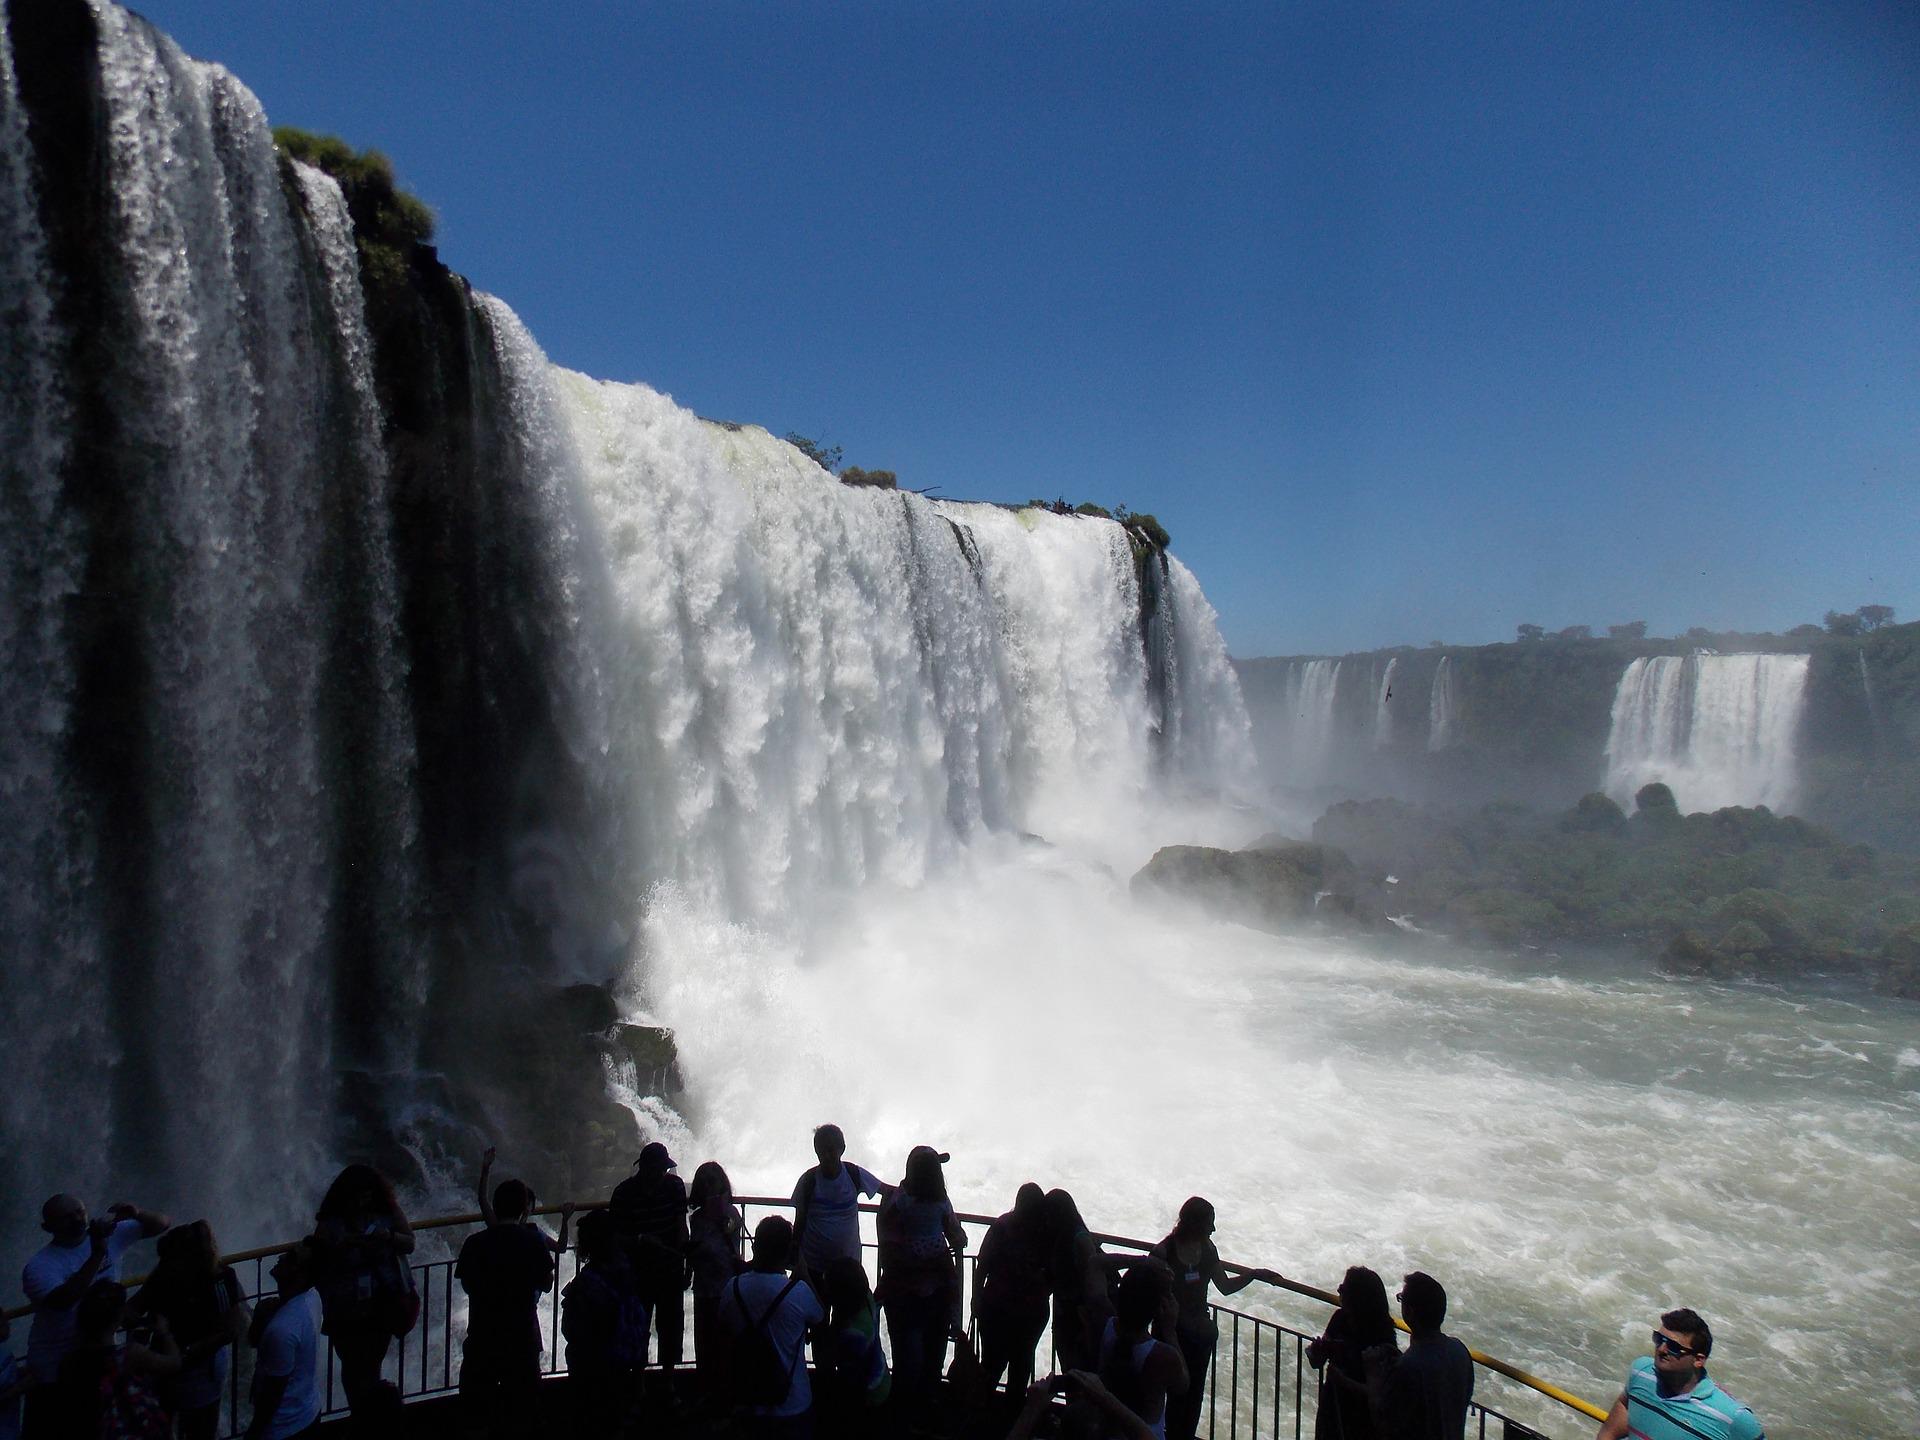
(1873, 701)
(1312, 690)
(1440, 706)
(1718, 729)
(1383, 707)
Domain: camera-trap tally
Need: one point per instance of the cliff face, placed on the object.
(1530, 721)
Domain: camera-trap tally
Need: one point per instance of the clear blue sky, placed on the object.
(1410, 322)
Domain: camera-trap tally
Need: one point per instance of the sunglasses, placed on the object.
(1671, 1345)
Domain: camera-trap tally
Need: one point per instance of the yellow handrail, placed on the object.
(1512, 1372)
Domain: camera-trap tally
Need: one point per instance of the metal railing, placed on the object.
(1269, 1389)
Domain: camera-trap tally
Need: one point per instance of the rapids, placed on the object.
(1570, 1148)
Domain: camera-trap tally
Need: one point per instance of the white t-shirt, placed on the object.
(833, 1224)
(785, 1327)
(290, 1346)
(50, 1268)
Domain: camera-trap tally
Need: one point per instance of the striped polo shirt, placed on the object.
(1705, 1412)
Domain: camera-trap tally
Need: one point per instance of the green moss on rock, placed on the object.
(387, 221)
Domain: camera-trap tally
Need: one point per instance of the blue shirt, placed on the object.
(1705, 1412)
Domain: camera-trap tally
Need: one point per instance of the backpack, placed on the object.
(129, 1410)
(760, 1377)
(591, 1297)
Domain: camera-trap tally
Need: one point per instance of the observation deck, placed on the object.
(1258, 1386)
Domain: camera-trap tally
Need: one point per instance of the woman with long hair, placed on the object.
(1194, 1263)
(714, 1228)
(920, 1247)
(200, 1300)
(1080, 1275)
(1011, 1283)
(361, 1240)
(1359, 1337)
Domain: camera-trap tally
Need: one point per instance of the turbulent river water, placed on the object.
(1570, 1148)
(313, 725)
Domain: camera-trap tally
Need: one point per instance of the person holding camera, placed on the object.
(61, 1272)
(1084, 1391)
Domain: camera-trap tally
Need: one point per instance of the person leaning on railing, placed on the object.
(1194, 1263)
(714, 1228)
(650, 1212)
(361, 1239)
(826, 1222)
(921, 1241)
(1080, 1275)
(1350, 1353)
(1010, 1288)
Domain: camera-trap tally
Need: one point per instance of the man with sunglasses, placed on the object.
(1668, 1394)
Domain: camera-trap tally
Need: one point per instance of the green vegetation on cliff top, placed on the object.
(387, 221)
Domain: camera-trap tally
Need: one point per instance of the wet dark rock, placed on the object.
(1284, 887)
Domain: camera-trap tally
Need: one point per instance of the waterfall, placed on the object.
(341, 729)
(1383, 706)
(1718, 729)
(1873, 702)
(820, 685)
(1313, 687)
(46, 865)
(235, 596)
(1440, 706)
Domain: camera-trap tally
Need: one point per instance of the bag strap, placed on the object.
(740, 1299)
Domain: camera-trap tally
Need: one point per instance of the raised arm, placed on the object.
(480, 1191)
(151, 1222)
(66, 1295)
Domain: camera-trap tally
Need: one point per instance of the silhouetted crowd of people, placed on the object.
(1134, 1334)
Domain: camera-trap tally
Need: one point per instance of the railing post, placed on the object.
(1299, 1382)
(1255, 1408)
(1233, 1408)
